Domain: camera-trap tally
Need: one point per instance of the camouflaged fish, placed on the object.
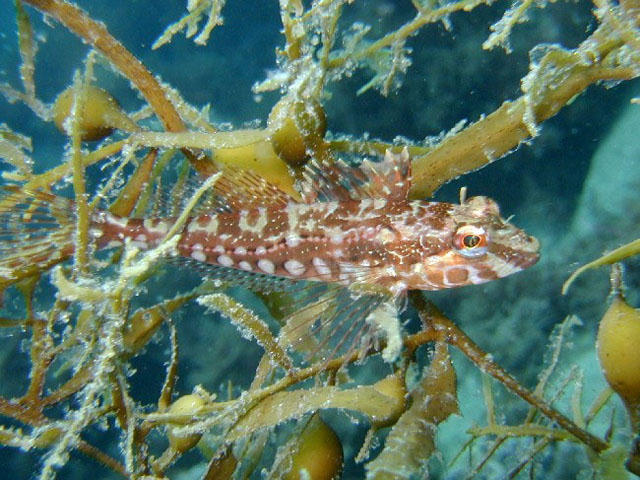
(354, 227)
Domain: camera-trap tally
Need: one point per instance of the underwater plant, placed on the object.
(131, 342)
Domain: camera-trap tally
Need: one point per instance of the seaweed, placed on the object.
(84, 328)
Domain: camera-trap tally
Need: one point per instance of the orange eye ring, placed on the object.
(471, 241)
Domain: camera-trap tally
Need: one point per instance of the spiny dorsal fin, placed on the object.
(240, 190)
(236, 189)
(391, 178)
(331, 181)
(338, 181)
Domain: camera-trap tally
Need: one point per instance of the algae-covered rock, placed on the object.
(608, 211)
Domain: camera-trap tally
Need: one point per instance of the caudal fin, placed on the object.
(36, 232)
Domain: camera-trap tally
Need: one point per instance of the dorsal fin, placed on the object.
(236, 189)
(391, 178)
(240, 189)
(331, 181)
(338, 181)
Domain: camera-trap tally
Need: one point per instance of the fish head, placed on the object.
(476, 246)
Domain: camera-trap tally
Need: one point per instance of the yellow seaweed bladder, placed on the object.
(101, 113)
(298, 128)
(319, 455)
(618, 347)
(185, 405)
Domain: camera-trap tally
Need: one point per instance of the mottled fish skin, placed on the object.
(352, 227)
(367, 232)
(395, 245)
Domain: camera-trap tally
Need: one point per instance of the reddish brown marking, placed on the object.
(487, 274)
(435, 277)
(253, 216)
(457, 275)
(431, 245)
(438, 214)
(513, 256)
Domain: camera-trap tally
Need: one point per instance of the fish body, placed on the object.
(366, 232)
(396, 245)
(354, 234)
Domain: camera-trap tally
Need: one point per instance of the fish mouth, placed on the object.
(530, 247)
(526, 260)
(516, 248)
(531, 244)
(528, 251)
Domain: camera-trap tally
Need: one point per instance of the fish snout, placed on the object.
(528, 251)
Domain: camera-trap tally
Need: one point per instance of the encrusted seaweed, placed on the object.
(90, 323)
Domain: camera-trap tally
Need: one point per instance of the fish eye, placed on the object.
(471, 241)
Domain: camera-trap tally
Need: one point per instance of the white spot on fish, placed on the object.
(418, 268)
(157, 227)
(197, 246)
(391, 271)
(292, 219)
(266, 266)
(321, 266)
(240, 251)
(416, 209)
(337, 237)
(293, 240)
(330, 208)
(261, 250)
(244, 265)
(219, 249)
(294, 267)
(212, 226)
(225, 260)
(379, 203)
(193, 226)
(365, 204)
(198, 255)
(385, 236)
(119, 221)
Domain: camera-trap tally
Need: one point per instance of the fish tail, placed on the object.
(36, 232)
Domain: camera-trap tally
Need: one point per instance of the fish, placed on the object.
(353, 228)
